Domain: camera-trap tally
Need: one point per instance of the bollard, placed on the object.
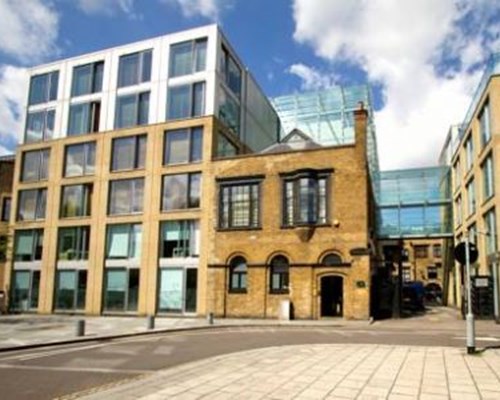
(80, 327)
(210, 318)
(151, 322)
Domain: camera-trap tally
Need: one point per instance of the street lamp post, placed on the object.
(469, 319)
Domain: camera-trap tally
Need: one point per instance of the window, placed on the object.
(421, 251)
(126, 196)
(484, 124)
(25, 290)
(6, 204)
(181, 191)
(305, 199)
(87, 79)
(436, 251)
(177, 290)
(332, 260)
(3, 248)
(39, 126)
(490, 224)
(239, 204)
(457, 173)
(471, 197)
(188, 57)
(432, 272)
(132, 110)
(121, 290)
(135, 68)
(71, 287)
(43, 88)
(35, 166)
(231, 72)
(76, 201)
(79, 159)
(472, 233)
(183, 145)
(225, 148)
(186, 101)
(32, 204)
(84, 118)
(180, 239)
(229, 111)
(73, 243)
(28, 245)
(458, 210)
(469, 153)
(238, 275)
(279, 275)
(124, 241)
(488, 178)
(128, 152)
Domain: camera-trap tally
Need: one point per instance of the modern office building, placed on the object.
(151, 179)
(473, 151)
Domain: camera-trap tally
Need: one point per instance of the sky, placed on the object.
(422, 59)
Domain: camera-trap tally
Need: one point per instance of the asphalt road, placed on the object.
(60, 371)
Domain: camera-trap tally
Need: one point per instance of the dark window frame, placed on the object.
(48, 114)
(52, 76)
(127, 297)
(140, 78)
(193, 55)
(6, 208)
(131, 244)
(188, 191)
(85, 204)
(35, 233)
(86, 146)
(190, 133)
(192, 103)
(82, 242)
(419, 251)
(40, 202)
(138, 104)
(226, 60)
(132, 189)
(41, 160)
(92, 124)
(241, 276)
(254, 221)
(93, 74)
(185, 225)
(136, 160)
(279, 267)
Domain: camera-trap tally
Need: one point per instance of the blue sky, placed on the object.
(422, 58)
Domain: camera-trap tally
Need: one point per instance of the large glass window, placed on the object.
(128, 152)
(43, 88)
(84, 118)
(471, 197)
(457, 173)
(180, 239)
(183, 145)
(87, 78)
(186, 101)
(126, 196)
(181, 191)
(238, 275)
(469, 152)
(39, 126)
(239, 204)
(488, 178)
(177, 290)
(25, 290)
(71, 287)
(484, 124)
(132, 110)
(76, 201)
(79, 159)
(32, 204)
(135, 68)
(121, 292)
(73, 243)
(35, 166)
(6, 204)
(279, 275)
(188, 57)
(305, 200)
(490, 224)
(124, 241)
(231, 72)
(28, 245)
(229, 111)
(225, 148)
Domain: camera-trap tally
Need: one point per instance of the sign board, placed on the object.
(459, 253)
(481, 282)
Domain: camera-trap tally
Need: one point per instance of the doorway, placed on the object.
(332, 296)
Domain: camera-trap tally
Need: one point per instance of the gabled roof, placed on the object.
(295, 140)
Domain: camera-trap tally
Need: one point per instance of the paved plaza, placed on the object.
(324, 372)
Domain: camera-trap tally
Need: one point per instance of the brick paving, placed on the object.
(329, 371)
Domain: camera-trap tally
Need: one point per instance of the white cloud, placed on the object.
(13, 88)
(28, 30)
(210, 9)
(108, 7)
(312, 78)
(401, 44)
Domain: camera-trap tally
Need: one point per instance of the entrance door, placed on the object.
(332, 296)
(177, 290)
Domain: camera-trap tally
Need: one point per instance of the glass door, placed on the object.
(177, 290)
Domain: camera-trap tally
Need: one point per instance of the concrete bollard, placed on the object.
(80, 327)
(210, 318)
(151, 322)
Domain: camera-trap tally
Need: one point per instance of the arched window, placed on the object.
(238, 275)
(279, 275)
(332, 260)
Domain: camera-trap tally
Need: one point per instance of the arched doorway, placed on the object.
(332, 296)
